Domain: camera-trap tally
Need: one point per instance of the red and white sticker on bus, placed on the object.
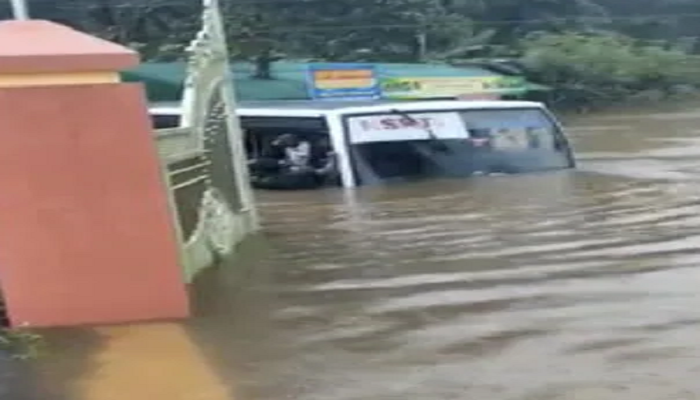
(383, 128)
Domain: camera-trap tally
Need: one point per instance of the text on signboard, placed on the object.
(343, 74)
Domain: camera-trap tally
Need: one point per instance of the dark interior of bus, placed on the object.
(381, 162)
(259, 138)
(164, 121)
(260, 132)
(259, 135)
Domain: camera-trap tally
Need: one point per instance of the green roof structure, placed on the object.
(164, 81)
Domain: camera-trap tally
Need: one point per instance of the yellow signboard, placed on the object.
(448, 86)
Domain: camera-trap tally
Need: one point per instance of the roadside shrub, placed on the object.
(21, 344)
(600, 68)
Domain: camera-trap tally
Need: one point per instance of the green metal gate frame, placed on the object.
(204, 159)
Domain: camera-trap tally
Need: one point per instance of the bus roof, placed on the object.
(320, 108)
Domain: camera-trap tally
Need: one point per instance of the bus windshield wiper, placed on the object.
(437, 144)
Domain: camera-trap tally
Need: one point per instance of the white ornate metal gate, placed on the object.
(204, 158)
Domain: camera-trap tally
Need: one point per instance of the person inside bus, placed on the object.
(287, 151)
(325, 162)
(291, 163)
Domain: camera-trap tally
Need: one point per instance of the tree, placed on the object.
(606, 67)
(344, 30)
(159, 29)
(565, 46)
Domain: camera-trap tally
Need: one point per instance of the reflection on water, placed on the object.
(574, 285)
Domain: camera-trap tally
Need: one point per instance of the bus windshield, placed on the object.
(398, 145)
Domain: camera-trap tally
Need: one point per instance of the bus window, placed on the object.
(164, 121)
(272, 165)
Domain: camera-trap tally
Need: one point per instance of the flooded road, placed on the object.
(574, 285)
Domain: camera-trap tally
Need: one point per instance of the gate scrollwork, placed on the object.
(211, 196)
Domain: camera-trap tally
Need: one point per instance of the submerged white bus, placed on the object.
(380, 142)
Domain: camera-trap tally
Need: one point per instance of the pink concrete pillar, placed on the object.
(86, 233)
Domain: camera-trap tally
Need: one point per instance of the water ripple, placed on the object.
(555, 286)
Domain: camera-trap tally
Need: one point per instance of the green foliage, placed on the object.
(159, 29)
(606, 66)
(382, 30)
(21, 344)
(593, 49)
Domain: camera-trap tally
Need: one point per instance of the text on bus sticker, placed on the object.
(396, 123)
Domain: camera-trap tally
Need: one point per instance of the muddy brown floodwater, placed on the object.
(570, 285)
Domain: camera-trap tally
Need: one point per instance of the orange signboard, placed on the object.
(343, 81)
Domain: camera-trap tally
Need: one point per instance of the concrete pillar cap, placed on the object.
(37, 46)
